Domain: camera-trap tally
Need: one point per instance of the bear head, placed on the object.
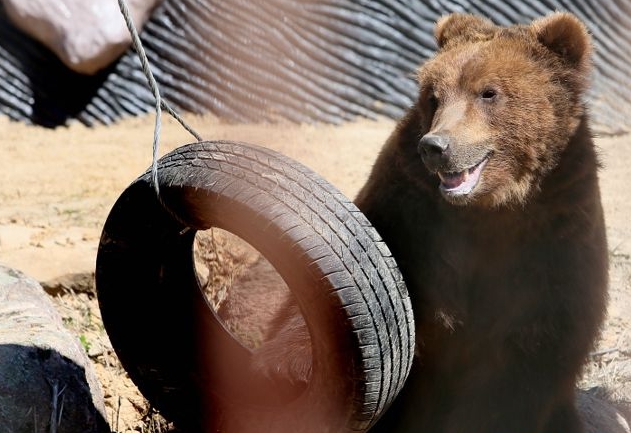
(498, 105)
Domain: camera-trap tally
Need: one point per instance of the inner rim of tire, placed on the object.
(245, 293)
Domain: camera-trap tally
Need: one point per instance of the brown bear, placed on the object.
(487, 195)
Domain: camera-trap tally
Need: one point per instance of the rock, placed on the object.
(86, 35)
(45, 375)
(601, 415)
(78, 282)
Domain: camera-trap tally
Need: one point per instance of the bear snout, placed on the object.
(434, 150)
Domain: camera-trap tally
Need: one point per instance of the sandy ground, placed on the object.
(57, 187)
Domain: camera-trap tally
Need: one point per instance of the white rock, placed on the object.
(86, 35)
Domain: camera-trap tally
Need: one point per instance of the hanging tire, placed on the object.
(342, 275)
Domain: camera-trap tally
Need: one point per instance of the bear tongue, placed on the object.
(453, 180)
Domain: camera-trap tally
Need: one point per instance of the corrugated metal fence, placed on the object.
(327, 61)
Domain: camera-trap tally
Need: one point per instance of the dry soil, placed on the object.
(57, 187)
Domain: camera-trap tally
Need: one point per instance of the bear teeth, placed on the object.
(463, 182)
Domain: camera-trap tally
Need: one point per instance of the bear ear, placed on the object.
(456, 28)
(565, 35)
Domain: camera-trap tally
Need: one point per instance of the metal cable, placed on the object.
(160, 103)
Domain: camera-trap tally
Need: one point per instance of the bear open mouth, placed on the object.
(463, 182)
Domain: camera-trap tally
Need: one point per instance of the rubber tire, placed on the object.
(343, 276)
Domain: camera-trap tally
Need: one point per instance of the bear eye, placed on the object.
(488, 95)
(433, 101)
(429, 97)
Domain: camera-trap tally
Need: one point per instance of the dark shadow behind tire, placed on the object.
(346, 283)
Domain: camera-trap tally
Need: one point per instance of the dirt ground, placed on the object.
(57, 187)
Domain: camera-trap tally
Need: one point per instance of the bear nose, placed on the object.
(434, 150)
(432, 144)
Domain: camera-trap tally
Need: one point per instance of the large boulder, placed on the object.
(86, 35)
(46, 380)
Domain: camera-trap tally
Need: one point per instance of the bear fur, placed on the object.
(487, 195)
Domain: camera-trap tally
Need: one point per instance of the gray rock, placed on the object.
(47, 383)
(86, 35)
(600, 415)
